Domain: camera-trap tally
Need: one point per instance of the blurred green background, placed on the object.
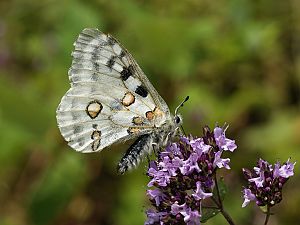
(239, 60)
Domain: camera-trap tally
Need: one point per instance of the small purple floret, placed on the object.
(219, 162)
(176, 208)
(154, 217)
(258, 180)
(190, 165)
(199, 146)
(248, 196)
(287, 170)
(200, 194)
(191, 217)
(161, 178)
(157, 195)
(223, 142)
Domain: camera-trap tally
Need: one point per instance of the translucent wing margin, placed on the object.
(110, 99)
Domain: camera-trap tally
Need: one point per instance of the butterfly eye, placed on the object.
(177, 119)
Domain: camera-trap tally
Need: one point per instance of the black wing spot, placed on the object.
(141, 90)
(122, 54)
(111, 62)
(126, 72)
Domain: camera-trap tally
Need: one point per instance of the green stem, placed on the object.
(219, 203)
(227, 217)
(268, 214)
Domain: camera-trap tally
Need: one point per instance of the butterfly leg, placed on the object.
(170, 136)
(148, 159)
(155, 148)
(167, 139)
(178, 132)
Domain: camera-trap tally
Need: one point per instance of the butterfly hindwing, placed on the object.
(110, 99)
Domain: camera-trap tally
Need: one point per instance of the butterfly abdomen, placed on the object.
(133, 156)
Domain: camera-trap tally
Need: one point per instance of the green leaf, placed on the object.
(222, 189)
(208, 213)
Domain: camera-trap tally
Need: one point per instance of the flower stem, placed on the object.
(219, 203)
(227, 217)
(268, 214)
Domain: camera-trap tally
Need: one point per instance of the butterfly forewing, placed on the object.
(110, 98)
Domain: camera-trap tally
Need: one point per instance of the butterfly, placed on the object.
(111, 100)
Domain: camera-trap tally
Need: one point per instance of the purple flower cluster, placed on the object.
(265, 182)
(182, 177)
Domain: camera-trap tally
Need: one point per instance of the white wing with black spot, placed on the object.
(110, 99)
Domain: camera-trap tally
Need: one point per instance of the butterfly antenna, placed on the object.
(178, 107)
(181, 104)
